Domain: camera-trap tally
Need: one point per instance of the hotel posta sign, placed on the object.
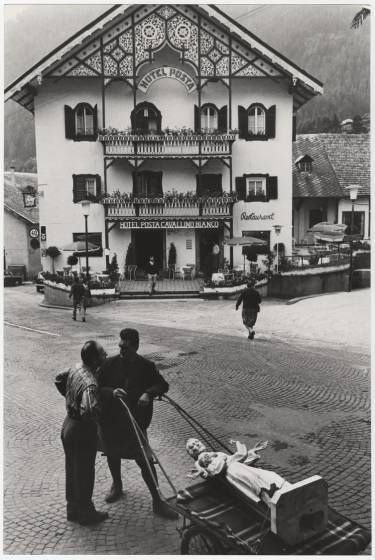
(166, 72)
(170, 224)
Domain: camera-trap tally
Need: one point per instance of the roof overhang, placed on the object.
(302, 85)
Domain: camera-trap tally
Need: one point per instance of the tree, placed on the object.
(53, 252)
(113, 268)
(360, 17)
(72, 260)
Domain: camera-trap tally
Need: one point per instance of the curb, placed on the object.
(49, 306)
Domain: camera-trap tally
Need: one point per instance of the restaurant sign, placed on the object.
(254, 216)
(170, 224)
(166, 72)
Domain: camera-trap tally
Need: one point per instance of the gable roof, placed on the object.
(13, 199)
(339, 160)
(302, 85)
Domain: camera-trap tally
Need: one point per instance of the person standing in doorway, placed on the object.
(136, 380)
(250, 300)
(215, 256)
(152, 274)
(77, 292)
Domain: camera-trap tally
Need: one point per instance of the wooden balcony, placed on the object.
(210, 208)
(167, 145)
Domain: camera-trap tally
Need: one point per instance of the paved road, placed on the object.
(311, 401)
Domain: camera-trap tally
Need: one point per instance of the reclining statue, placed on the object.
(298, 511)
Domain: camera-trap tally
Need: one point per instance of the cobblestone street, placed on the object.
(310, 399)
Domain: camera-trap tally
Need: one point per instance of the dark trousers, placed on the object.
(80, 442)
(114, 463)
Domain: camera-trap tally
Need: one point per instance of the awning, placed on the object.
(326, 231)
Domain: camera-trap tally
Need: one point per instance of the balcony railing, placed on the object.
(212, 207)
(167, 145)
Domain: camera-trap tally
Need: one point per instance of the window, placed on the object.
(209, 184)
(94, 238)
(317, 215)
(255, 188)
(147, 184)
(84, 120)
(86, 187)
(209, 118)
(81, 122)
(358, 223)
(146, 118)
(256, 122)
(304, 163)
(258, 188)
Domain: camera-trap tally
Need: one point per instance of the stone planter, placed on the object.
(58, 294)
(295, 284)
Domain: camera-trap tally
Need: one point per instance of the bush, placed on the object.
(72, 260)
(53, 252)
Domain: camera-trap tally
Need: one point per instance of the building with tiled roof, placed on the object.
(324, 166)
(21, 223)
(177, 123)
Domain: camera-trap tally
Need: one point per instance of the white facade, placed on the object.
(59, 157)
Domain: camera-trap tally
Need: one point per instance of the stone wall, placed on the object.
(300, 285)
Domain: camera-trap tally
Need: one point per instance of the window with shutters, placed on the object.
(146, 118)
(256, 188)
(210, 118)
(86, 187)
(147, 184)
(256, 122)
(81, 122)
(92, 237)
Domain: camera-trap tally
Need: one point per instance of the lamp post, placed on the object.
(353, 194)
(85, 205)
(277, 229)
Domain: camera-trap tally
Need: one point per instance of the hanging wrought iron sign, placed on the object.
(166, 72)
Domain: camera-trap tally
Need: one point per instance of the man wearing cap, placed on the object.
(134, 379)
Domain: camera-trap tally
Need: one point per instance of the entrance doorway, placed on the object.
(208, 262)
(149, 242)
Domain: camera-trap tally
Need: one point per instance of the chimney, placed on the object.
(347, 126)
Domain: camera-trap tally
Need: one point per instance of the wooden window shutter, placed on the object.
(241, 188)
(272, 188)
(70, 128)
(98, 185)
(79, 188)
(197, 119)
(158, 121)
(135, 183)
(294, 133)
(243, 130)
(95, 112)
(271, 122)
(223, 119)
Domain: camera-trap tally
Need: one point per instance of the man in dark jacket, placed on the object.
(152, 272)
(77, 291)
(250, 300)
(137, 381)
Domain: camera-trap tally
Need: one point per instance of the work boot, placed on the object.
(163, 510)
(93, 517)
(114, 494)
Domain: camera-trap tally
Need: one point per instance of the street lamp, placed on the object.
(353, 194)
(85, 205)
(277, 229)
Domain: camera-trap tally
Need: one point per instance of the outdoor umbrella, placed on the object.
(79, 248)
(325, 231)
(245, 242)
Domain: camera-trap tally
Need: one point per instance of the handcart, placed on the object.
(213, 518)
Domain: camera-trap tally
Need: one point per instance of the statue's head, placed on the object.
(204, 459)
(194, 447)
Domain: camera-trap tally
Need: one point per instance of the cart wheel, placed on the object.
(196, 540)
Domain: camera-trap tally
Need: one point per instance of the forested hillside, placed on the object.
(316, 37)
